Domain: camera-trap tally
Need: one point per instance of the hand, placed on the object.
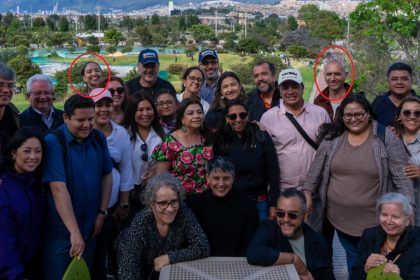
(272, 212)
(411, 171)
(308, 276)
(121, 214)
(161, 261)
(77, 244)
(374, 260)
(149, 173)
(99, 223)
(308, 196)
(393, 129)
(300, 266)
(392, 268)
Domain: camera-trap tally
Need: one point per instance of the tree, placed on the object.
(144, 35)
(127, 23)
(182, 26)
(113, 36)
(95, 49)
(6, 54)
(248, 45)
(111, 49)
(297, 51)
(202, 32)
(308, 13)
(38, 23)
(292, 23)
(52, 22)
(192, 20)
(63, 24)
(90, 22)
(24, 69)
(155, 19)
(92, 40)
(328, 25)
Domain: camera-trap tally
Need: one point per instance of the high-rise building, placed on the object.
(170, 7)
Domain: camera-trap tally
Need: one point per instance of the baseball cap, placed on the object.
(290, 75)
(148, 56)
(204, 53)
(96, 96)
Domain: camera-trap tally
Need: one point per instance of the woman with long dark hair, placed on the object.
(119, 97)
(192, 81)
(91, 74)
(21, 206)
(166, 105)
(253, 155)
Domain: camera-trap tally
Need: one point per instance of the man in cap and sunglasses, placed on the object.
(148, 80)
(290, 241)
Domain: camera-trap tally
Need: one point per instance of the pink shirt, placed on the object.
(293, 152)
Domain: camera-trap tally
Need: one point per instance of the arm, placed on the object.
(272, 169)
(106, 188)
(162, 167)
(261, 250)
(64, 207)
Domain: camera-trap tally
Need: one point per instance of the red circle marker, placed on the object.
(315, 72)
(71, 67)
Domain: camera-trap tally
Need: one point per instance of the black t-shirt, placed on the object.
(134, 86)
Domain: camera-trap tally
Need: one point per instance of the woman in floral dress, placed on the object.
(184, 152)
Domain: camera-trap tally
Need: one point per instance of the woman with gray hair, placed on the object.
(394, 242)
(165, 232)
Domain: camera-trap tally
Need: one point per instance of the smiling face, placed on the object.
(103, 111)
(165, 216)
(193, 82)
(220, 182)
(193, 116)
(291, 228)
(7, 88)
(392, 219)
(92, 75)
(237, 118)
(80, 123)
(230, 88)
(291, 93)
(148, 72)
(263, 78)
(356, 118)
(166, 105)
(400, 82)
(335, 75)
(41, 96)
(28, 156)
(144, 115)
(117, 90)
(408, 117)
(210, 67)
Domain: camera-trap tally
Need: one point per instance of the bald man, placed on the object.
(335, 75)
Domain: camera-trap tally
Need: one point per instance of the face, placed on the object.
(335, 75)
(41, 96)
(230, 88)
(400, 82)
(392, 219)
(263, 78)
(148, 72)
(355, 118)
(237, 118)
(28, 156)
(144, 115)
(80, 123)
(92, 75)
(103, 111)
(193, 82)
(210, 67)
(166, 105)
(7, 88)
(163, 206)
(291, 228)
(117, 90)
(193, 116)
(220, 182)
(292, 93)
(408, 117)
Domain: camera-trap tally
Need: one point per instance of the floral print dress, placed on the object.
(187, 163)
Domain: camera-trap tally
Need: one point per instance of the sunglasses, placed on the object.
(408, 113)
(119, 90)
(242, 116)
(292, 215)
(143, 148)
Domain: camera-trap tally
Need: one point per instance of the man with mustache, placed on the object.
(148, 68)
(266, 95)
(290, 241)
(208, 62)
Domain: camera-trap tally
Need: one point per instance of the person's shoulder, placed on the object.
(243, 198)
(253, 94)
(26, 112)
(164, 83)
(58, 111)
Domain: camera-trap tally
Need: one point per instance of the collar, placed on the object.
(326, 91)
(151, 135)
(283, 109)
(42, 114)
(209, 86)
(69, 136)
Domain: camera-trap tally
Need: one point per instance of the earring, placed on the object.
(13, 158)
(183, 128)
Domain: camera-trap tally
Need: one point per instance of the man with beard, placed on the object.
(148, 68)
(208, 62)
(335, 75)
(266, 95)
(290, 241)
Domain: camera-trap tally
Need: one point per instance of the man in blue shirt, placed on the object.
(400, 82)
(208, 61)
(77, 169)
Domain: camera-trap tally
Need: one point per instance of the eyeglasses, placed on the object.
(143, 148)
(119, 90)
(164, 204)
(242, 116)
(408, 113)
(163, 103)
(292, 215)
(207, 62)
(193, 79)
(357, 116)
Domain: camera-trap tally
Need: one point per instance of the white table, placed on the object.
(226, 268)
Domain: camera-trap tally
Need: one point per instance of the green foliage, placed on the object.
(248, 45)
(308, 13)
(297, 51)
(328, 25)
(92, 40)
(126, 49)
(127, 23)
(90, 22)
(131, 74)
(38, 23)
(22, 50)
(177, 69)
(144, 34)
(111, 49)
(113, 36)
(95, 49)
(155, 19)
(24, 69)
(292, 23)
(203, 32)
(63, 24)
(6, 54)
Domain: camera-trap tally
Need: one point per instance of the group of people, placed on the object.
(132, 176)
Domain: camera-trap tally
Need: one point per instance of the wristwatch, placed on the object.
(102, 212)
(124, 205)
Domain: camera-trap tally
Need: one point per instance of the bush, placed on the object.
(177, 69)
(95, 49)
(111, 49)
(297, 51)
(127, 49)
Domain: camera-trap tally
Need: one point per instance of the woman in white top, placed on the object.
(192, 80)
(118, 143)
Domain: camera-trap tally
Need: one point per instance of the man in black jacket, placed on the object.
(41, 113)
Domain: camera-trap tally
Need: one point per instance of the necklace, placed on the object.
(386, 249)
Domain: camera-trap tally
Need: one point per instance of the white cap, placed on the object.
(290, 75)
(96, 96)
